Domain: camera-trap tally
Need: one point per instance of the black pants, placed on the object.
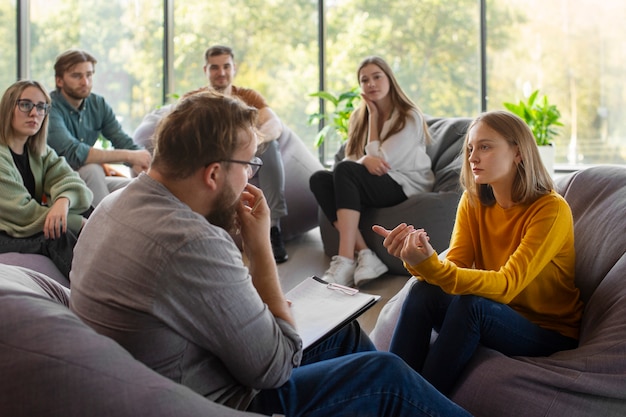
(351, 186)
(60, 250)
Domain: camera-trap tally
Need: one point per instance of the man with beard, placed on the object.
(79, 117)
(156, 269)
(220, 69)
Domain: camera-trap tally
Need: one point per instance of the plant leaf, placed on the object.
(326, 96)
(321, 135)
(539, 115)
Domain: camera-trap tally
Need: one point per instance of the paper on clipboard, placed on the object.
(320, 308)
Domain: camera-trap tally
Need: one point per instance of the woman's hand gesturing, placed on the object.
(407, 243)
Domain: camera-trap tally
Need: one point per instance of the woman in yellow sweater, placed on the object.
(508, 278)
(43, 199)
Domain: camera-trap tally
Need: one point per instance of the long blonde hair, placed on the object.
(400, 102)
(532, 179)
(37, 143)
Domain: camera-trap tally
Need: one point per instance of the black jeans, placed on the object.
(60, 250)
(351, 186)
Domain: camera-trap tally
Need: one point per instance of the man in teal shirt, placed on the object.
(78, 118)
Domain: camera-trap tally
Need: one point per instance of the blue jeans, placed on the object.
(464, 323)
(346, 376)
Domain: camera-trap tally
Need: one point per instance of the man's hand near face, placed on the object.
(254, 221)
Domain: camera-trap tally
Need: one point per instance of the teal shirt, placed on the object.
(72, 132)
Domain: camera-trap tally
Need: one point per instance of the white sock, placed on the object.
(343, 258)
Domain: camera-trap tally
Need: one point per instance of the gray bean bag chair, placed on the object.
(51, 364)
(591, 379)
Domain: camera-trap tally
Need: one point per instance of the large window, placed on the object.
(431, 45)
(8, 44)
(275, 47)
(125, 37)
(571, 50)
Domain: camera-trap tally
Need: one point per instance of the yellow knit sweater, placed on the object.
(522, 256)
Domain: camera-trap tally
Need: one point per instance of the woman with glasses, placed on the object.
(42, 197)
(386, 162)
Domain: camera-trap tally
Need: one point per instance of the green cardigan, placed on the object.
(23, 216)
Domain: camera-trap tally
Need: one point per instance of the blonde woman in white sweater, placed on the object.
(385, 163)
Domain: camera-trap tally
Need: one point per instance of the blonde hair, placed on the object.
(532, 179)
(357, 132)
(36, 143)
(202, 128)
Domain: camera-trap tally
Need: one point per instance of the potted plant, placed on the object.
(337, 119)
(542, 118)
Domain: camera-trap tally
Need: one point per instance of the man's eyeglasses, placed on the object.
(26, 106)
(253, 165)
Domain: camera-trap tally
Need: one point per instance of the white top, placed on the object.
(405, 151)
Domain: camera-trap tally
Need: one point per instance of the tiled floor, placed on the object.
(306, 258)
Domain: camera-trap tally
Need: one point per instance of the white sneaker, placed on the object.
(341, 271)
(368, 267)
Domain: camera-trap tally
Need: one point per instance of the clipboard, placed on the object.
(321, 308)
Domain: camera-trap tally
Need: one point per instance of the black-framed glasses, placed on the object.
(26, 106)
(253, 165)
